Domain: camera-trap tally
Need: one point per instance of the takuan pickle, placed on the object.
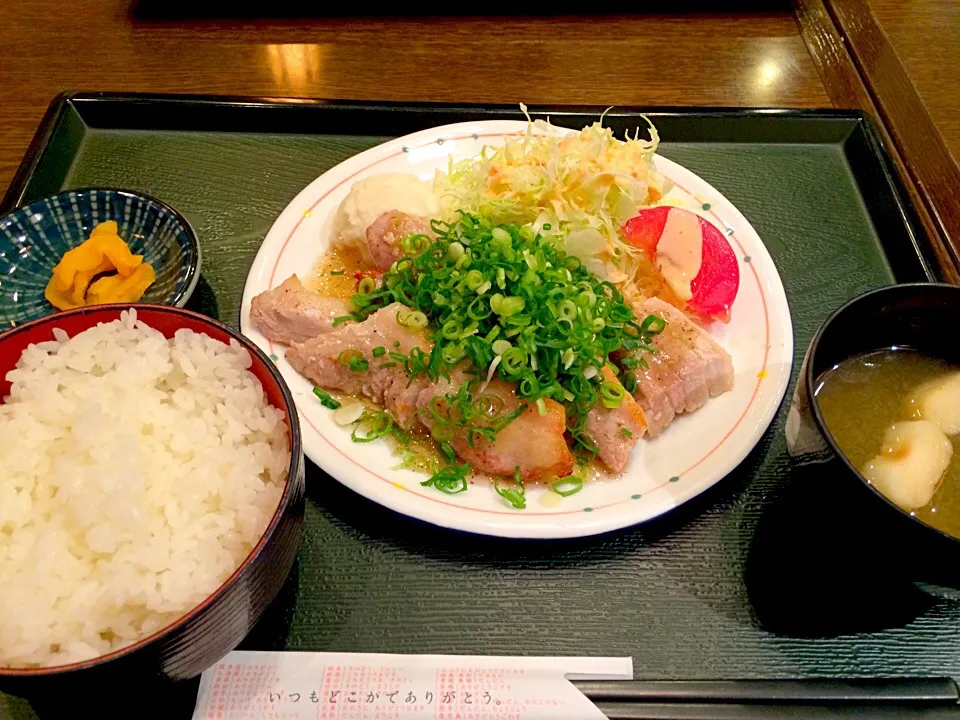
(79, 278)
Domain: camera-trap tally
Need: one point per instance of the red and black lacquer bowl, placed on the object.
(215, 627)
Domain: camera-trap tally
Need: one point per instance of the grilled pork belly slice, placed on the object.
(386, 233)
(318, 360)
(292, 313)
(688, 368)
(615, 431)
(533, 443)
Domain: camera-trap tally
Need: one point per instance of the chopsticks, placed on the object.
(763, 699)
(940, 691)
(691, 711)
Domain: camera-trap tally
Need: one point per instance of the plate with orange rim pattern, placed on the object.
(692, 454)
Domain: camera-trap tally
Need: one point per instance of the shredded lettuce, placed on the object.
(580, 186)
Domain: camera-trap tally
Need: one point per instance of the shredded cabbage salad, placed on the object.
(581, 186)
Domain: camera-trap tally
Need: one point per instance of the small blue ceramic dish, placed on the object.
(34, 238)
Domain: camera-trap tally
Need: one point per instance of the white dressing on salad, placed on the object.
(680, 253)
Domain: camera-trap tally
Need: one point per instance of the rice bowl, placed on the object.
(140, 472)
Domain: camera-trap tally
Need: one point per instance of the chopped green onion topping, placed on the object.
(337, 272)
(473, 279)
(515, 305)
(506, 306)
(514, 361)
(488, 404)
(417, 361)
(626, 432)
(653, 324)
(413, 244)
(514, 492)
(354, 360)
(373, 425)
(366, 286)
(568, 486)
(379, 351)
(500, 346)
(448, 452)
(326, 399)
(413, 319)
(612, 394)
(450, 480)
(461, 414)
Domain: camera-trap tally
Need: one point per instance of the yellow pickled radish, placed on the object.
(75, 283)
(106, 228)
(117, 288)
(116, 249)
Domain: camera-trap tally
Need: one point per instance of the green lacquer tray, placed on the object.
(714, 590)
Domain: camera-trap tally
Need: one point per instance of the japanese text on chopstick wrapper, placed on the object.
(335, 686)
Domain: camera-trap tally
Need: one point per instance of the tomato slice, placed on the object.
(644, 230)
(715, 287)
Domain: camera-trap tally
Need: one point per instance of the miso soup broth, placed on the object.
(862, 397)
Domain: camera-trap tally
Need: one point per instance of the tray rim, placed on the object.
(94, 97)
(920, 243)
(76, 100)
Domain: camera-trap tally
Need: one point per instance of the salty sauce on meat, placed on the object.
(335, 275)
(292, 313)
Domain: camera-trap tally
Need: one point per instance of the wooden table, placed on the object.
(924, 35)
(890, 58)
(755, 60)
(893, 59)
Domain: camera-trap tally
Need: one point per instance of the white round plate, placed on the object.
(693, 453)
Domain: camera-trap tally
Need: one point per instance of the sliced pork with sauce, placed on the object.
(688, 368)
(659, 393)
(386, 233)
(319, 360)
(533, 443)
(293, 313)
(615, 431)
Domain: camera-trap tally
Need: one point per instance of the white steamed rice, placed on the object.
(137, 474)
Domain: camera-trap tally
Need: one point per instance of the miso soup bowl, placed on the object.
(923, 317)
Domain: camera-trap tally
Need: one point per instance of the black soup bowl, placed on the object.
(922, 317)
(202, 636)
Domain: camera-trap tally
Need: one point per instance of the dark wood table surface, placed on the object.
(924, 34)
(893, 59)
(756, 59)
